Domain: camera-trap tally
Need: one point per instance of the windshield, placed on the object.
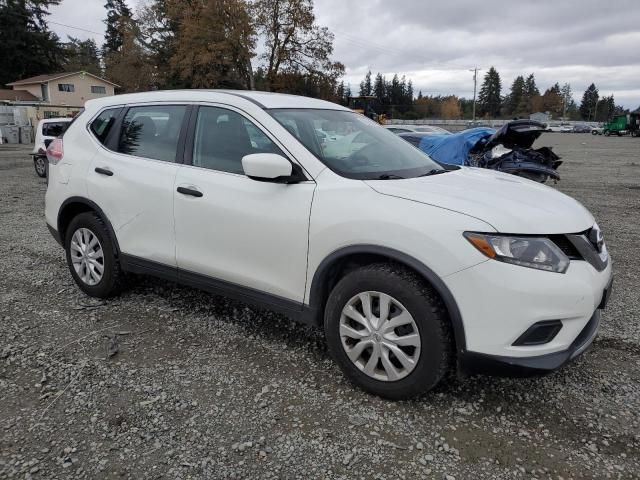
(354, 146)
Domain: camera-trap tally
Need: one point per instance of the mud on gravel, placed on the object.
(169, 382)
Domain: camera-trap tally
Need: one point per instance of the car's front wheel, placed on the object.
(388, 331)
(40, 165)
(91, 256)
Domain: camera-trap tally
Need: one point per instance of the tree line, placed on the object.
(523, 98)
(181, 44)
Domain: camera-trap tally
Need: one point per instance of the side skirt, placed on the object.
(294, 310)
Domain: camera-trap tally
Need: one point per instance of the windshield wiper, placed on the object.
(435, 171)
(389, 176)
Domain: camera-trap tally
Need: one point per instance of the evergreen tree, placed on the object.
(410, 93)
(81, 55)
(515, 96)
(347, 94)
(530, 88)
(27, 46)
(378, 88)
(589, 103)
(489, 98)
(365, 85)
(118, 13)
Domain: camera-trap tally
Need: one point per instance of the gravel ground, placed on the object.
(169, 382)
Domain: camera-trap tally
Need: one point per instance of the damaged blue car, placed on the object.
(508, 149)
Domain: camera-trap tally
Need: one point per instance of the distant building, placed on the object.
(69, 88)
(55, 95)
(540, 117)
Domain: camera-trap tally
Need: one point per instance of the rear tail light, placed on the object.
(55, 151)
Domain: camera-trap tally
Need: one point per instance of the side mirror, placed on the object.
(268, 167)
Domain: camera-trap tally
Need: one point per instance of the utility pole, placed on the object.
(475, 83)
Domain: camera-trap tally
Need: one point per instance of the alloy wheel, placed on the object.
(380, 336)
(87, 256)
(40, 166)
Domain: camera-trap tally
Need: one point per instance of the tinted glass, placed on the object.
(98, 89)
(54, 129)
(152, 132)
(223, 137)
(354, 146)
(101, 126)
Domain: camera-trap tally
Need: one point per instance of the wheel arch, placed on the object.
(74, 206)
(335, 265)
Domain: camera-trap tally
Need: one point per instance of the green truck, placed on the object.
(623, 124)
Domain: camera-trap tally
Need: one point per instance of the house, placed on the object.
(70, 88)
(55, 95)
(540, 117)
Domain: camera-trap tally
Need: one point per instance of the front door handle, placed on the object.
(104, 171)
(190, 191)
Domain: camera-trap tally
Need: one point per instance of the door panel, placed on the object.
(250, 233)
(229, 227)
(134, 185)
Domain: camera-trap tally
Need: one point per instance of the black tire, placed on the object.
(40, 166)
(423, 304)
(112, 279)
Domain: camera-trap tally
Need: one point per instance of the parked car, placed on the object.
(430, 129)
(559, 127)
(412, 267)
(580, 128)
(597, 130)
(46, 131)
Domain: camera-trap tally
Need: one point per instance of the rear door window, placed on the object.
(54, 129)
(152, 132)
(103, 123)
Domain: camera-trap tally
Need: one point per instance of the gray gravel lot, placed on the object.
(203, 387)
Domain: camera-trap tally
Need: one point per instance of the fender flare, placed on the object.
(93, 206)
(320, 277)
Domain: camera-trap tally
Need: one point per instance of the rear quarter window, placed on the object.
(54, 129)
(103, 124)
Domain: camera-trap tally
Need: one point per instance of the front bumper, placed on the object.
(472, 362)
(499, 302)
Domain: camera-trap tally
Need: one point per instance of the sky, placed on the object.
(435, 43)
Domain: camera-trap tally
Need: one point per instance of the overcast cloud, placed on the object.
(435, 43)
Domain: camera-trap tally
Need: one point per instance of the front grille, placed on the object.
(563, 243)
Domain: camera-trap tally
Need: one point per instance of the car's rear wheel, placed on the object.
(91, 256)
(388, 331)
(40, 165)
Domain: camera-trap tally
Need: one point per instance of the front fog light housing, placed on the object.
(531, 252)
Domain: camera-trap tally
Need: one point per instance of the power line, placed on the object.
(75, 28)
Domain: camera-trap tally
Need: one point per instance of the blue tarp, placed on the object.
(453, 149)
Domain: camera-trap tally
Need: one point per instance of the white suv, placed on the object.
(413, 268)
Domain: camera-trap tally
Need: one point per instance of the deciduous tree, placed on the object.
(294, 44)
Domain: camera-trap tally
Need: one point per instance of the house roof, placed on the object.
(55, 76)
(17, 95)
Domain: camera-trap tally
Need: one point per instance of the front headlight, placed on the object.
(532, 252)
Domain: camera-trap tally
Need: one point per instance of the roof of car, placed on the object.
(263, 99)
(56, 119)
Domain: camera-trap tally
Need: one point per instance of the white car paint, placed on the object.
(42, 133)
(272, 238)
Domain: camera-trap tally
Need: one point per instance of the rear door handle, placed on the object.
(104, 171)
(190, 191)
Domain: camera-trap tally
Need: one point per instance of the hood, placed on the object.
(508, 203)
(519, 133)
